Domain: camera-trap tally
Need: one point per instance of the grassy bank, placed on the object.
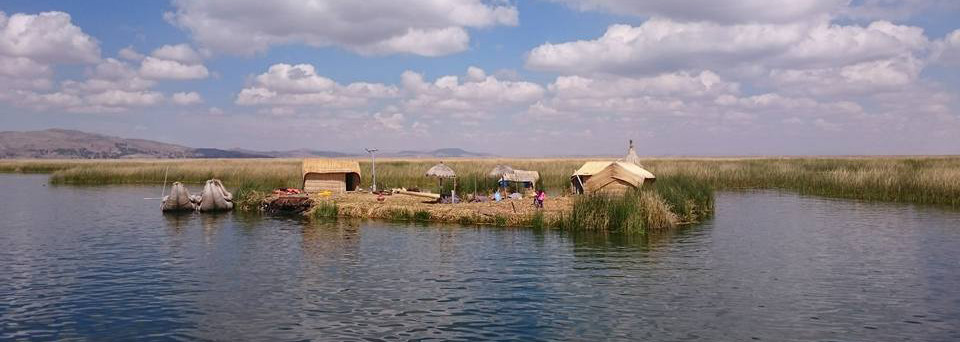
(669, 202)
(683, 189)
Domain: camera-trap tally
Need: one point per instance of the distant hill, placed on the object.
(71, 144)
(62, 143)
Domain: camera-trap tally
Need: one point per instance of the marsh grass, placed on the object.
(923, 180)
(324, 209)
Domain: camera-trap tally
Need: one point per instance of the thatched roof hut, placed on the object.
(522, 176)
(330, 174)
(500, 170)
(609, 177)
(631, 156)
(441, 171)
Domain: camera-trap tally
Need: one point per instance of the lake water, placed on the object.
(101, 263)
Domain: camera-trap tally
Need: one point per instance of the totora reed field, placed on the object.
(683, 192)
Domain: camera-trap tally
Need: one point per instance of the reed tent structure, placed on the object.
(331, 175)
(526, 180)
(500, 170)
(632, 156)
(442, 171)
(609, 177)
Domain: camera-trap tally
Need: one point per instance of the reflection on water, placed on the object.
(100, 263)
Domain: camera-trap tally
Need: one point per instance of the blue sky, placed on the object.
(515, 78)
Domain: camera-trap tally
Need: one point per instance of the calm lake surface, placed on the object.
(101, 263)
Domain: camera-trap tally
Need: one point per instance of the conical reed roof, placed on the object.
(501, 170)
(631, 156)
(441, 171)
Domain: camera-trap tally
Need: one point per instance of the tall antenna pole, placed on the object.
(373, 159)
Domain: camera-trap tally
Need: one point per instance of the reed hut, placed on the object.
(331, 175)
(442, 171)
(500, 170)
(527, 180)
(631, 156)
(609, 177)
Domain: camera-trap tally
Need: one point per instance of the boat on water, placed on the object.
(214, 197)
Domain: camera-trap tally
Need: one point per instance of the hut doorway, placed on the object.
(352, 181)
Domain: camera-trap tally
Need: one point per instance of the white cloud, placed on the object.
(479, 96)
(31, 46)
(299, 85)
(897, 9)
(186, 99)
(948, 49)
(855, 79)
(767, 11)
(422, 27)
(660, 45)
(48, 37)
(727, 11)
(431, 43)
(704, 96)
(173, 70)
(130, 54)
(180, 53)
(681, 84)
(393, 122)
(122, 98)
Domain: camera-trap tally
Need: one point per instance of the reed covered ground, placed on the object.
(684, 185)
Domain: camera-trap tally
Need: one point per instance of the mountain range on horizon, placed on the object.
(58, 143)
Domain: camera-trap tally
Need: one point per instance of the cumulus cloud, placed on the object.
(130, 54)
(111, 86)
(174, 62)
(48, 37)
(725, 11)
(948, 49)
(299, 85)
(31, 45)
(422, 27)
(174, 70)
(478, 96)
(766, 11)
(180, 53)
(855, 79)
(186, 98)
(660, 45)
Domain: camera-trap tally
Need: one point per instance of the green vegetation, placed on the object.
(929, 180)
(640, 211)
(421, 215)
(324, 209)
(683, 192)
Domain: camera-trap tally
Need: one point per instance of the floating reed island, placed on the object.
(683, 184)
(608, 196)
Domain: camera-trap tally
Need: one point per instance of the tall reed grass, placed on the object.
(925, 180)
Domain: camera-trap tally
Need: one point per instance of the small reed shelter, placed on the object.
(442, 171)
(609, 177)
(332, 175)
(525, 180)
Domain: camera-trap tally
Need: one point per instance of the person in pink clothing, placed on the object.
(539, 198)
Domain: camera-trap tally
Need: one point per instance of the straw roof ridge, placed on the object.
(500, 170)
(322, 165)
(522, 176)
(441, 170)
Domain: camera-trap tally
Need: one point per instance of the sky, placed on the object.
(513, 78)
